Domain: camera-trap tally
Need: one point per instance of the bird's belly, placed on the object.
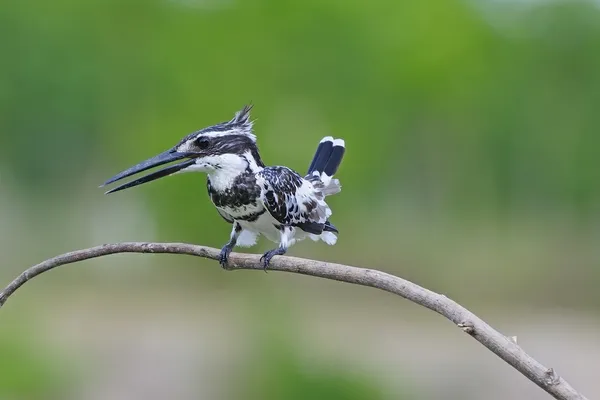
(265, 225)
(254, 218)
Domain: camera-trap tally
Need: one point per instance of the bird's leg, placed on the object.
(285, 242)
(224, 255)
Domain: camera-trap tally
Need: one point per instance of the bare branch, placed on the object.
(503, 346)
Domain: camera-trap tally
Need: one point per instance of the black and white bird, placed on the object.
(275, 202)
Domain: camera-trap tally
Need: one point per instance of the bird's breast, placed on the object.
(241, 200)
(242, 193)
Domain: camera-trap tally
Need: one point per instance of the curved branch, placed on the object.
(504, 347)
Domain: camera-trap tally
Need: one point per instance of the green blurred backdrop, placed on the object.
(472, 169)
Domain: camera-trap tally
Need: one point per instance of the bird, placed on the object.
(258, 200)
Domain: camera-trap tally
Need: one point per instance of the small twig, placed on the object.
(503, 346)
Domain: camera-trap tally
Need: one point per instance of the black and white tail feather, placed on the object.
(323, 167)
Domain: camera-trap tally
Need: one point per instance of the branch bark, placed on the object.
(504, 347)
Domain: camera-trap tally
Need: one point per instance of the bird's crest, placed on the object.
(240, 124)
(242, 118)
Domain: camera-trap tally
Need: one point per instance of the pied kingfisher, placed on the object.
(275, 202)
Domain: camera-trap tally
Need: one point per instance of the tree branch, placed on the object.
(504, 347)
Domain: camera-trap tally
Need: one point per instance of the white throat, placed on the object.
(225, 169)
(222, 169)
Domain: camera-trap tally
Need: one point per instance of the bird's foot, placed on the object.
(266, 258)
(224, 255)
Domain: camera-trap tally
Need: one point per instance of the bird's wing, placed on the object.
(292, 200)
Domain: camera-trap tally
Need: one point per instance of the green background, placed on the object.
(471, 168)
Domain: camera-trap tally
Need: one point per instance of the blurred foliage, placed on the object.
(281, 368)
(456, 110)
(29, 370)
(452, 110)
(282, 375)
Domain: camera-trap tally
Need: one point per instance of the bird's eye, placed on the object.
(202, 143)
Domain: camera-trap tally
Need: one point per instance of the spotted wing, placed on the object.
(292, 200)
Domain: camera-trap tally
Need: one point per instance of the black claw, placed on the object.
(266, 258)
(224, 255)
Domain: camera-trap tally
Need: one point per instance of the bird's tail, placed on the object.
(326, 162)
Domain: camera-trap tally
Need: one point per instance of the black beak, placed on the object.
(162, 158)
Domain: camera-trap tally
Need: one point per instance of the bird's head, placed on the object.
(209, 149)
